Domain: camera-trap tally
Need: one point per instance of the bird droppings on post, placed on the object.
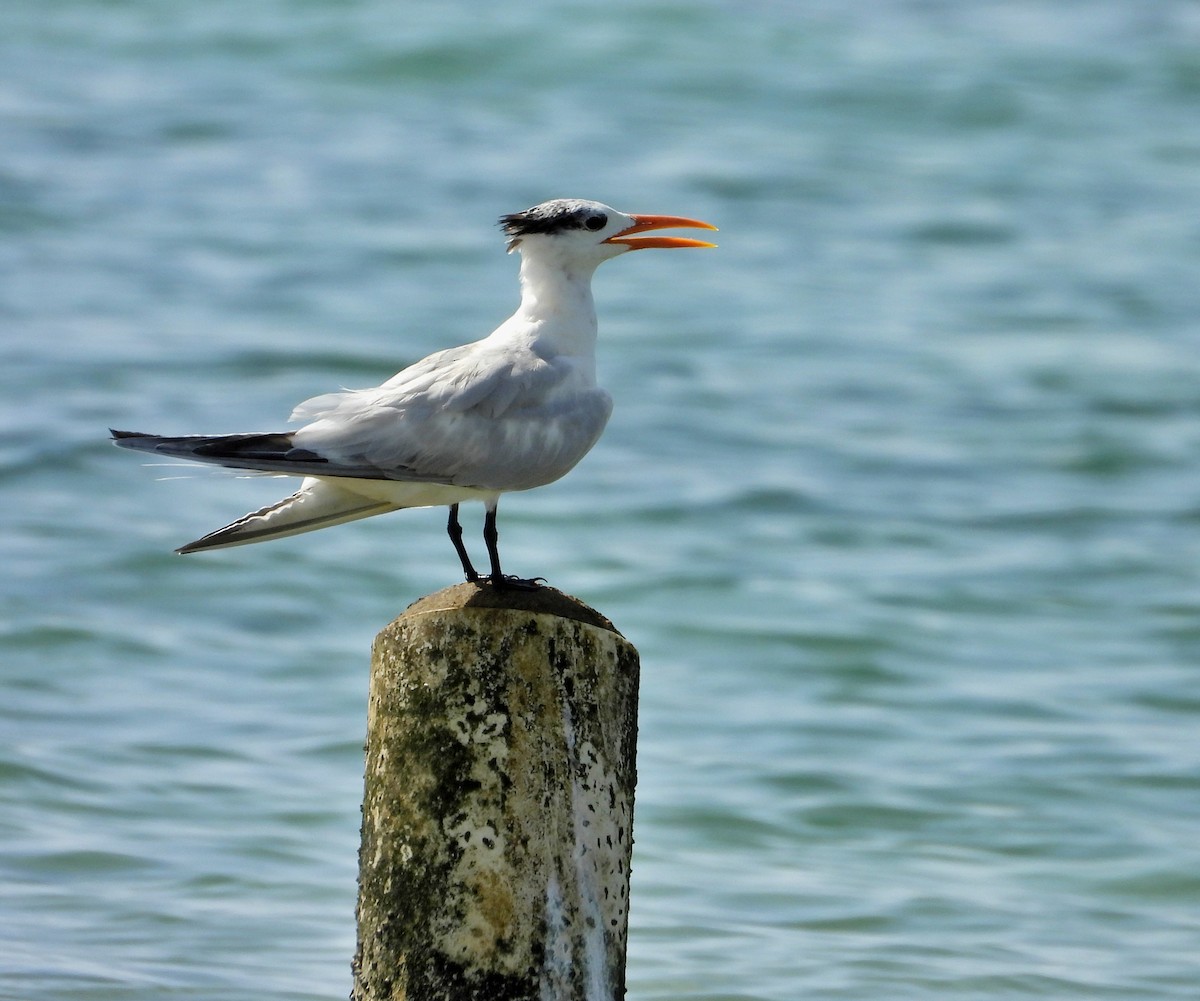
(499, 800)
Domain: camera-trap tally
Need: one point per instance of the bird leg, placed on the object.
(491, 536)
(454, 530)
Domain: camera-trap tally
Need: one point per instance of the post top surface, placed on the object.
(543, 599)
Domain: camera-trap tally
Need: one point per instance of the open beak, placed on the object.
(642, 223)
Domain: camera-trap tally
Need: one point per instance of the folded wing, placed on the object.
(489, 419)
(476, 417)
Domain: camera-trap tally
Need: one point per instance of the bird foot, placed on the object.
(507, 582)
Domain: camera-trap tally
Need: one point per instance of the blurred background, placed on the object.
(899, 502)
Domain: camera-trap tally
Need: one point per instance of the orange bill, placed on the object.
(643, 223)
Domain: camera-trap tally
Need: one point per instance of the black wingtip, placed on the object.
(126, 439)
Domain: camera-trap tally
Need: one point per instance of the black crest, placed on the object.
(556, 216)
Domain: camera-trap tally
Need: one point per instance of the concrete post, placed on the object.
(498, 810)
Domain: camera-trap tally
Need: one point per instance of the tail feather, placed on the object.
(315, 505)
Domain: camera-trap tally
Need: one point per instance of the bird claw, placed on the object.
(508, 582)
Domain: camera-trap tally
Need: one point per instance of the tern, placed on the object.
(513, 411)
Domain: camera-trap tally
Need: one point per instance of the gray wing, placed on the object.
(481, 415)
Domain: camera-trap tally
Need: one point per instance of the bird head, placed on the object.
(588, 233)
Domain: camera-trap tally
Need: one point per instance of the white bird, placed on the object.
(515, 410)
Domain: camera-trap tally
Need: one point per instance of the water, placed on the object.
(900, 500)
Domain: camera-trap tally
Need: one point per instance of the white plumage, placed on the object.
(515, 410)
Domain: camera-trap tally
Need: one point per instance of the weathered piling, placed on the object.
(498, 809)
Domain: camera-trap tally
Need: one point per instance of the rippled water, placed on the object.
(900, 500)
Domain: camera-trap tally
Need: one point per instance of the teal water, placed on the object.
(899, 502)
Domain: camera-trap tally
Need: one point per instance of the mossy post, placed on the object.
(498, 810)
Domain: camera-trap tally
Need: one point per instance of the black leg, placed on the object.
(454, 530)
(491, 536)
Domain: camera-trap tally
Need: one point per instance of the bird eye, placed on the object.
(596, 222)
